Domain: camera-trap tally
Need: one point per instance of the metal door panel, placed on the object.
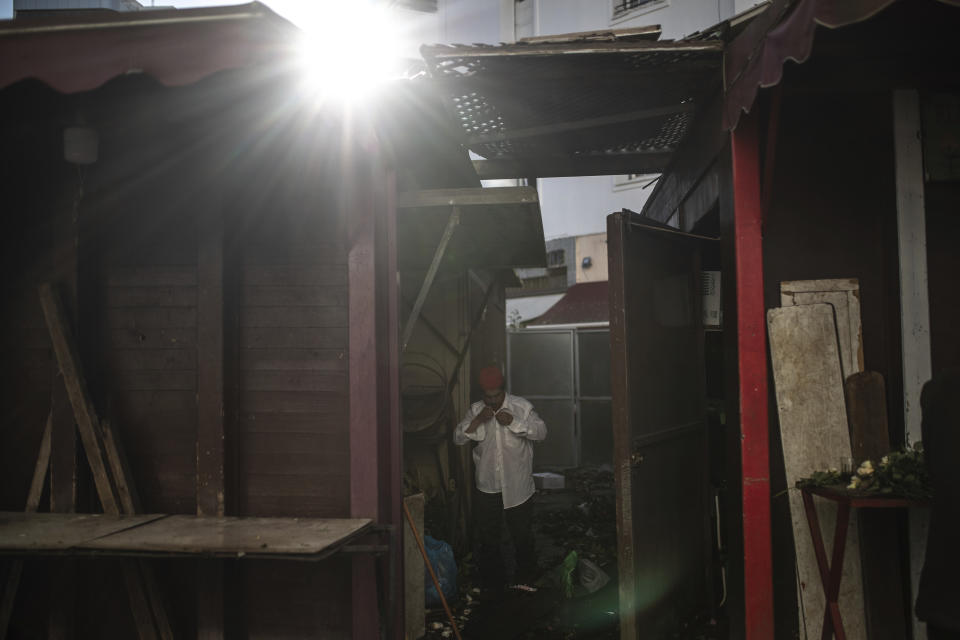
(541, 368)
(659, 410)
(541, 363)
(559, 449)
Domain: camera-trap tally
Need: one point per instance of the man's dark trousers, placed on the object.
(489, 516)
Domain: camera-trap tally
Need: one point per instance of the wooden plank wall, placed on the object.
(293, 435)
(291, 445)
(148, 346)
(285, 329)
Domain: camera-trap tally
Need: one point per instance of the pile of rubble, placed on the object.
(579, 518)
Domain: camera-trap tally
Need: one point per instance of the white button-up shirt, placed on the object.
(503, 456)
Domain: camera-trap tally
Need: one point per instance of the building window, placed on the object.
(625, 8)
(556, 258)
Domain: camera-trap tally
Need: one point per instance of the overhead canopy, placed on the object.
(755, 58)
(578, 106)
(80, 52)
(497, 228)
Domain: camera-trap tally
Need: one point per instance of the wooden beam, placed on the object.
(210, 399)
(452, 223)
(579, 125)
(617, 230)
(363, 344)
(211, 404)
(64, 451)
(491, 196)
(40, 469)
(113, 489)
(433, 329)
(914, 292)
(63, 461)
(560, 166)
(752, 365)
(73, 379)
(391, 429)
(33, 503)
(120, 469)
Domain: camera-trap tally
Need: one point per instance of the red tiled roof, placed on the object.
(583, 302)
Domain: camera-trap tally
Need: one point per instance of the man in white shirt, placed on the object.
(502, 426)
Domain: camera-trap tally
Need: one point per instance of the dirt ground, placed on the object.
(577, 518)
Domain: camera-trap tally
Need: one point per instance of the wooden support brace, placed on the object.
(113, 484)
(33, 503)
(452, 223)
(88, 424)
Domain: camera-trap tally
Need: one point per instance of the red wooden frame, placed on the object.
(753, 395)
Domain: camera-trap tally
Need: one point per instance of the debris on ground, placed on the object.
(571, 525)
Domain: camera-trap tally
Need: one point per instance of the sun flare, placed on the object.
(348, 49)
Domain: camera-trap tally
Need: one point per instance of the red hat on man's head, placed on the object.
(490, 379)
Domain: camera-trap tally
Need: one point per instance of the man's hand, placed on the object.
(504, 417)
(482, 417)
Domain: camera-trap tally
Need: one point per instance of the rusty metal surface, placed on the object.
(36, 532)
(233, 536)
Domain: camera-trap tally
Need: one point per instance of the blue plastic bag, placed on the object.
(440, 555)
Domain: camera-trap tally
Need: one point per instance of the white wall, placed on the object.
(578, 206)
(677, 18)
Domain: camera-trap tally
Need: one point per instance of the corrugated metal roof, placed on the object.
(575, 107)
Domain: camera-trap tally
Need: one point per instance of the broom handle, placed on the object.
(433, 576)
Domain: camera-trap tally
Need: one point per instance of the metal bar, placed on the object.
(486, 196)
(452, 223)
(572, 166)
(752, 366)
(439, 52)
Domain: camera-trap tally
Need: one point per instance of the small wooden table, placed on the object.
(831, 573)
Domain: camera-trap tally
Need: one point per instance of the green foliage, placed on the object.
(899, 473)
(826, 478)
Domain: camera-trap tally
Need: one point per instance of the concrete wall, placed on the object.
(593, 246)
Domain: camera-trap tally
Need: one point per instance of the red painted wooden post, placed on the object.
(752, 363)
(359, 216)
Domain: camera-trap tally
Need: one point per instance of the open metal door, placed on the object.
(659, 424)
